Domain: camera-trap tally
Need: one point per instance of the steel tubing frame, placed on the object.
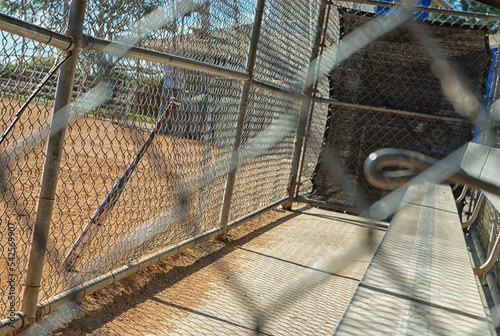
(127, 50)
(310, 116)
(60, 300)
(32, 31)
(394, 111)
(307, 105)
(428, 9)
(74, 40)
(50, 176)
(235, 155)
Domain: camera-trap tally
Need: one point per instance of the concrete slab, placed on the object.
(296, 279)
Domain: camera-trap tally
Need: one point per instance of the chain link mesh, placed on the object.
(285, 43)
(24, 64)
(177, 191)
(319, 112)
(266, 152)
(48, 14)
(382, 97)
(383, 94)
(174, 194)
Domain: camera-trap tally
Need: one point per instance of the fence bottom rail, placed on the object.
(17, 322)
(326, 205)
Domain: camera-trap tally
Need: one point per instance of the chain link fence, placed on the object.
(130, 185)
(175, 191)
(388, 94)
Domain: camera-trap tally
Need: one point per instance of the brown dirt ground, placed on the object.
(95, 153)
(111, 310)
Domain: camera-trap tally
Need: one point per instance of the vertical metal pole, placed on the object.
(306, 105)
(488, 133)
(51, 169)
(235, 155)
(311, 111)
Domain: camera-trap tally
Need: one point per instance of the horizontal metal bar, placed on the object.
(275, 89)
(102, 281)
(326, 205)
(377, 162)
(15, 322)
(88, 287)
(251, 215)
(126, 50)
(394, 111)
(429, 9)
(64, 42)
(34, 32)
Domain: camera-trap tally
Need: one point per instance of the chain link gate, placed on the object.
(234, 119)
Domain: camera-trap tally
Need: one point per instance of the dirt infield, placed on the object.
(101, 312)
(96, 153)
(174, 194)
(20, 174)
(221, 288)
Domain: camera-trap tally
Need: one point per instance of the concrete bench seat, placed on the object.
(420, 280)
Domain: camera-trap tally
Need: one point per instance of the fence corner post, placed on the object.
(235, 154)
(305, 107)
(64, 91)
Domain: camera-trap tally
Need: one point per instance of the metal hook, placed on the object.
(416, 163)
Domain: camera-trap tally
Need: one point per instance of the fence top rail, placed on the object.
(32, 31)
(46, 36)
(127, 50)
(437, 10)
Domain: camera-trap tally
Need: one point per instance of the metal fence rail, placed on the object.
(129, 58)
(260, 111)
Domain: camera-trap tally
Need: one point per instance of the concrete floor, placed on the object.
(297, 274)
(295, 279)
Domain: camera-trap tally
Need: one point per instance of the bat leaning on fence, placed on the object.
(90, 230)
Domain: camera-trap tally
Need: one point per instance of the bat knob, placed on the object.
(175, 101)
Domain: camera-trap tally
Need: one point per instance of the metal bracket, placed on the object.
(462, 195)
(475, 213)
(495, 252)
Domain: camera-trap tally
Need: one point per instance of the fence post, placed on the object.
(51, 169)
(235, 155)
(311, 110)
(306, 105)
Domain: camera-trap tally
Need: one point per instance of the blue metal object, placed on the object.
(417, 14)
(490, 89)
